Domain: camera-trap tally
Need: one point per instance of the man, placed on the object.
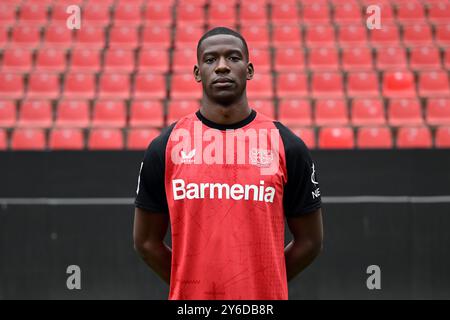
(226, 177)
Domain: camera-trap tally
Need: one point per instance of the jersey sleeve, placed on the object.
(150, 192)
(301, 192)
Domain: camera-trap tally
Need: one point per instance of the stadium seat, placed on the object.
(72, 113)
(16, 60)
(3, 140)
(252, 13)
(320, 36)
(79, 86)
(286, 35)
(119, 60)
(50, 60)
(123, 37)
(139, 139)
(336, 138)
(285, 13)
(264, 107)
(180, 108)
(362, 84)
(184, 60)
(153, 60)
(350, 35)
(260, 87)
(289, 59)
(7, 14)
(388, 35)
(58, 36)
(35, 114)
(221, 14)
(447, 58)
(404, 112)
(414, 137)
(260, 59)
(109, 113)
(442, 138)
(105, 139)
(331, 112)
(418, 34)
(326, 84)
(127, 14)
(256, 35)
(66, 139)
(58, 12)
(391, 58)
(374, 138)
(438, 111)
(43, 86)
(323, 59)
(348, 12)
(28, 139)
(317, 13)
(410, 12)
(156, 37)
(149, 86)
(424, 58)
(357, 59)
(295, 112)
(190, 15)
(158, 13)
(90, 37)
(7, 113)
(439, 12)
(85, 60)
(307, 135)
(96, 14)
(114, 86)
(146, 113)
(187, 36)
(184, 86)
(443, 35)
(398, 84)
(25, 36)
(11, 85)
(434, 83)
(33, 14)
(292, 85)
(367, 112)
(3, 36)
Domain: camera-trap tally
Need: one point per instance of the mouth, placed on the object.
(223, 81)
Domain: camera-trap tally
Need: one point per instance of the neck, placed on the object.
(221, 114)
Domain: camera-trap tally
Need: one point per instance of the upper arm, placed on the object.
(149, 227)
(307, 227)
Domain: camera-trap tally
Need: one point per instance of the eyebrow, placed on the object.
(231, 51)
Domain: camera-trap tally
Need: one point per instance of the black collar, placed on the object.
(236, 125)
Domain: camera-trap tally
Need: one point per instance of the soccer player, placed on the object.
(225, 178)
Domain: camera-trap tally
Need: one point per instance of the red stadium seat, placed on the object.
(323, 59)
(139, 139)
(404, 112)
(256, 35)
(180, 108)
(283, 13)
(123, 37)
(149, 86)
(447, 58)
(58, 36)
(28, 139)
(59, 14)
(3, 140)
(146, 113)
(153, 60)
(128, 14)
(319, 36)
(260, 87)
(434, 83)
(362, 84)
(410, 12)
(264, 107)
(286, 35)
(350, 35)
(260, 59)
(443, 35)
(357, 59)
(398, 84)
(66, 139)
(292, 85)
(253, 13)
(391, 58)
(33, 14)
(156, 37)
(331, 112)
(43, 86)
(7, 14)
(414, 137)
(3, 36)
(11, 85)
(72, 113)
(90, 37)
(85, 60)
(16, 60)
(7, 113)
(201, 3)
(184, 59)
(114, 86)
(221, 13)
(336, 138)
(442, 137)
(417, 34)
(368, 112)
(295, 112)
(439, 12)
(50, 60)
(187, 36)
(388, 35)
(109, 113)
(35, 113)
(158, 13)
(190, 15)
(184, 86)
(424, 58)
(327, 84)
(289, 59)
(317, 13)
(106, 3)
(119, 60)
(105, 139)
(307, 135)
(25, 36)
(347, 13)
(374, 138)
(96, 14)
(438, 111)
(79, 86)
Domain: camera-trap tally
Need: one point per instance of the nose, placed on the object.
(222, 66)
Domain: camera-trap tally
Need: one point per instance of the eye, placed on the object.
(209, 60)
(235, 58)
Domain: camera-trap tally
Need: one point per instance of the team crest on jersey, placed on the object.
(261, 157)
(188, 157)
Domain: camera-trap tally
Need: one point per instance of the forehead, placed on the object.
(221, 42)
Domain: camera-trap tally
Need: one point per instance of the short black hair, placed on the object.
(223, 30)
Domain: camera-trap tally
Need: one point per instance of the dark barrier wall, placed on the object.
(407, 237)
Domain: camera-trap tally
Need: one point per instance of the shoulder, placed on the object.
(158, 144)
(291, 142)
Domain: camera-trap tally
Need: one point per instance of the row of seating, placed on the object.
(138, 139)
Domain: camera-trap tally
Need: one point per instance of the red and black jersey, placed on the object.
(227, 190)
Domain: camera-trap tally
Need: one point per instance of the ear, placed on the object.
(197, 74)
(250, 71)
